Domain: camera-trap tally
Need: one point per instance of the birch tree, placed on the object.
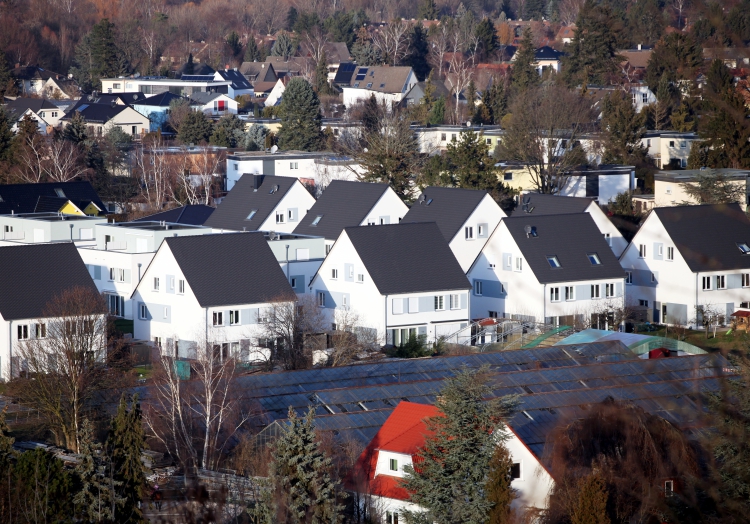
(393, 41)
(155, 173)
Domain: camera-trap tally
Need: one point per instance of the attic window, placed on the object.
(553, 262)
(382, 86)
(356, 84)
(369, 85)
(744, 248)
(594, 259)
(252, 214)
(317, 220)
(59, 192)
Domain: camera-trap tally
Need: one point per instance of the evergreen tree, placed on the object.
(196, 128)
(255, 138)
(678, 56)
(252, 53)
(322, 87)
(683, 119)
(97, 57)
(234, 44)
(366, 54)
(6, 442)
(497, 100)
(535, 9)
(498, 487)
(524, 74)
(301, 476)
(457, 453)
(645, 22)
(300, 117)
(41, 480)
(437, 113)
(291, 18)
(471, 99)
(126, 444)
(663, 106)
(7, 82)
(591, 505)
(189, 66)
(95, 497)
(75, 131)
(6, 136)
(593, 57)
(225, 132)
(427, 10)
(713, 187)
(486, 38)
(284, 46)
(419, 48)
(624, 128)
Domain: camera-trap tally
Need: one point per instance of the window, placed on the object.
(40, 330)
(492, 266)
(648, 142)
(492, 314)
(360, 277)
(744, 248)
(439, 303)
(321, 299)
(54, 114)
(515, 471)
(252, 214)
(116, 305)
(391, 517)
(745, 279)
(166, 312)
(594, 259)
(480, 231)
(488, 141)
(317, 220)
(157, 342)
(570, 293)
(668, 488)
(334, 274)
(181, 287)
(143, 312)
(721, 282)
(634, 98)
(660, 250)
(218, 318)
(394, 465)
(351, 272)
(279, 217)
(609, 290)
(290, 214)
(369, 85)
(156, 283)
(442, 137)
(706, 283)
(519, 264)
(554, 294)
(644, 97)
(8, 229)
(236, 166)
(293, 165)
(455, 302)
(670, 253)
(23, 332)
(671, 143)
(293, 282)
(507, 176)
(469, 233)
(595, 291)
(553, 262)
(478, 288)
(668, 190)
(683, 144)
(642, 251)
(643, 303)
(653, 278)
(628, 277)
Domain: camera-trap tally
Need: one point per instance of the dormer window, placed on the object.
(553, 262)
(744, 248)
(594, 259)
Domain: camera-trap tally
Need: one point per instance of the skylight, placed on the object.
(317, 220)
(553, 262)
(59, 192)
(744, 248)
(361, 74)
(594, 259)
(252, 214)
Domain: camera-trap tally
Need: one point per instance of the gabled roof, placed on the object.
(707, 236)
(416, 93)
(547, 53)
(337, 52)
(20, 105)
(570, 238)
(194, 215)
(98, 113)
(31, 72)
(198, 69)
(342, 204)
(204, 97)
(24, 198)
(108, 99)
(407, 258)
(545, 204)
(448, 207)
(258, 72)
(384, 79)
(233, 211)
(403, 432)
(160, 100)
(251, 274)
(32, 275)
(234, 76)
(345, 73)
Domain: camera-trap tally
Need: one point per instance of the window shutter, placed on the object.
(413, 304)
(97, 272)
(464, 300)
(618, 288)
(426, 304)
(398, 306)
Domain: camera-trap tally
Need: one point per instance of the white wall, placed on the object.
(535, 483)
(389, 209)
(296, 201)
(615, 239)
(487, 215)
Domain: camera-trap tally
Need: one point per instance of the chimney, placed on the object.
(640, 47)
(257, 181)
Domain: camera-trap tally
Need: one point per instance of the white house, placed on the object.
(214, 104)
(465, 217)
(185, 86)
(401, 280)
(537, 204)
(263, 203)
(31, 276)
(100, 118)
(387, 84)
(37, 228)
(46, 114)
(274, 97)
(299, 256)
(685, 259)
(345, 204)
(185, 298)
(556, 269)
(669, 148)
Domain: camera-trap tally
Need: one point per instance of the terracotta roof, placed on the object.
(403, 432)
(566, 32)
(636, 58)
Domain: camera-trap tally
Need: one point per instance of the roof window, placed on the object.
(317, 220)
(59, 192)
(744, 248)
(594, 259)
(553, 262)
(252, 214)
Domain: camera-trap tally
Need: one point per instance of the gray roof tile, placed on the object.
(543, 204)
(448, 207)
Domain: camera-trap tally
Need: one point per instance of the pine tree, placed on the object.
(234, 44)
(683, 119)
(252, 53)
(677, 55)
(591, 504)
(196, 128)
(7, 83)
(291, 18)
(593, 56)
(471, 99)
(624, 128)
(664, 96)
(6, 442)
(225, 132)
(487, 38)
(126, 444)
(189, 66)
(284, 46)
(498, 100)
(300, 117)
(97, 57)
(427, 10)
(437, 113)
(95, 496)
(6, 136)
(322, 87)
(454, 461)
(255, 138)
(524, 74)
(498, 487)
(301, 475)
(419, 48)
(75, 131)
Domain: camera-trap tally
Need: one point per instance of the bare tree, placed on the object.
(64, 161)
(439, 42)
(393, 41)
(314, 43)
(546, 126)
(351, 339)
(458, 78)
(568, 11)
(199, 169)
(65, 360)
(679, 6)
(155, 172)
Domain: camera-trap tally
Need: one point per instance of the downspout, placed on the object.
(385, 322)
(696, 298)
(544, 303)
(287, 262)
(139, 272)
(10, 350)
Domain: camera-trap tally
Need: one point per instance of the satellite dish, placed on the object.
(274, 149)
(527, 230)
(422, 198)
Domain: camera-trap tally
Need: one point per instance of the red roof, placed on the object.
(740, 314)
(403, 432)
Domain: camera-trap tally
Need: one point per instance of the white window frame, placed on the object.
(570, 293)
(143, 312)
(554, 294)
(596, 291)
(157, 284)
(519, 264)
(478, 288)
(661, 250)
(469, 233)
(181, 286)
(234, 317)
(321, 299)
(721, 282)
(351, 271)
(745, 279)
(360, 278)
(455, 301)
(628, 277)
(670, 253)
(391, 463)
(480, 230)
(280, 217)
(218, 318)
(439, 303)
(609, 290)
(642, 250)
(40, 330)
(22, 331)
(334, 274)
(707, 282)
